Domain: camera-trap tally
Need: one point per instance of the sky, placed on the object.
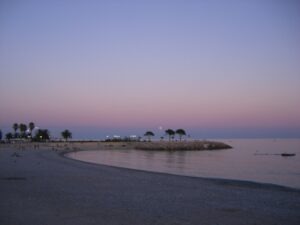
(215, 68)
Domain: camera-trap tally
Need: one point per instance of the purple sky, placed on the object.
(214, 68)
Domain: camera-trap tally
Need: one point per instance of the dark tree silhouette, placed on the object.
(15, 127)
(171, 133)
(0, 135)
(149, 134)
(23, 129)
(9, 136)
(180, 132)
(66, 134)
(31, 126)
(42, 135)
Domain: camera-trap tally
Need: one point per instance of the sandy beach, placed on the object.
(38, 185)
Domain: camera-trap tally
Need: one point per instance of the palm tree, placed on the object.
(180, 132)
(15, 127)
(171, 133)
(31, 126)
(22, 128)
(66, 134)
(149, 134)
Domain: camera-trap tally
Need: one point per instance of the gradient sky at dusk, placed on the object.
(216, 68)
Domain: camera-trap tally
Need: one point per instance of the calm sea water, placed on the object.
(250, 159)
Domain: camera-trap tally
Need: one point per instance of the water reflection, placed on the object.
(254, 160)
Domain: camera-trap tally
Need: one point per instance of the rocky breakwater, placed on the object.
(182, 146)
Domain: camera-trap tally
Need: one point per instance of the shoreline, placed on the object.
(42, 185)
(223, 181)
(63, 148)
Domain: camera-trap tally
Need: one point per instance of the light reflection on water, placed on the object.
(250, 159)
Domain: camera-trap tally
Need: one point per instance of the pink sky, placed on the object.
(191, 65)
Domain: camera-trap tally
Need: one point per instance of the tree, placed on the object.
(171, 133)
(66, 134)
(9, 136)
(149, 134)
(42, 135)
(23, 129)
(31, 126)
(15, 127)
(180, 132)
(0, 135)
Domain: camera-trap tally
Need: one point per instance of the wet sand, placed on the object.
(40, 186)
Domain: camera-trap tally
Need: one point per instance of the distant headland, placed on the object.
(172, 140)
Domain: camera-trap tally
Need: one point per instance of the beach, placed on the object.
(38, 185)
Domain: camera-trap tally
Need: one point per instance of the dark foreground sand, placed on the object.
(40, 187)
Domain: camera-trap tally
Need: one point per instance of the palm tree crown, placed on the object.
(171, 133)
(180, 132)
(66, 134)
(149, 134)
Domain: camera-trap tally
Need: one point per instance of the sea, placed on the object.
(257, 160)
